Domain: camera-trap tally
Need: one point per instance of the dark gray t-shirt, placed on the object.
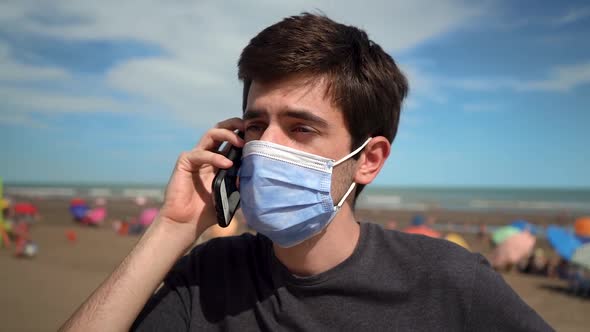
(392, 282)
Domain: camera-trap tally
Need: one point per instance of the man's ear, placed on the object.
(372, 160)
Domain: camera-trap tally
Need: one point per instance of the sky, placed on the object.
(113, 91)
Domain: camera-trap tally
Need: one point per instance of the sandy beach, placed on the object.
(39, 294)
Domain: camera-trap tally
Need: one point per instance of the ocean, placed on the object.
(389, 198)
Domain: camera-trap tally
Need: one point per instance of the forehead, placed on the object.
(301, 93)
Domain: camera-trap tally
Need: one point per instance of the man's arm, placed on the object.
(187, 211)
(119, 299)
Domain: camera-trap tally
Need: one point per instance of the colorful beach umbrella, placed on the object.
(457, 239)
(582, 228)
(563, 241)
(79, 211)
(581, 256)
(147, 216)
(418, 220)
(96, 215)
(503, 233)
(25, 208)
(513, 249)
(77, 201)
(422, 230)
(524, 225)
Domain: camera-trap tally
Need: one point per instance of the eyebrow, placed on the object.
(301, 114)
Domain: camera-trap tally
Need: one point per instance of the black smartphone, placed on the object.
(226, 195)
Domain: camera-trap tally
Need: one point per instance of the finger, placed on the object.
(193, 160)
(214, 137)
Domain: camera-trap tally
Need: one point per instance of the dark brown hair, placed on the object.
(363, 80)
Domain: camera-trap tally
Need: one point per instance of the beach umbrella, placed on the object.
(77, 201)
(524, 225)
(581, 256)
(503, 233)
(147, 216)
(582, 228)
(25, 208)
(513, 249)
(422, 230)
(418, 220)
(457, 239)
(96, 215)
(563, 241)
(79, 211)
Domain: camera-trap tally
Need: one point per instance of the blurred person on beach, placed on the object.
(321, 107)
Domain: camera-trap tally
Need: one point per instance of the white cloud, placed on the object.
(571, 16)
(196, 78)
(560, 79)
(34, 100)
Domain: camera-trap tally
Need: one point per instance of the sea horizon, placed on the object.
(388, 197)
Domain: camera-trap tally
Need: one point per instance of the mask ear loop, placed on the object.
(343, 199)
(353, 152)
(337, 207)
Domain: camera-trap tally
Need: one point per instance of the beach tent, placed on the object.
(563, 241)
(457, 239)
(503, 233)
(513, 249)
(524, 225)
(147, 216)
(422, 230)
(581, 256)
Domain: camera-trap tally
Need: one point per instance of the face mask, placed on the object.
(285, 193)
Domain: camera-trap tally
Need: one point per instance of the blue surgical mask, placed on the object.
(285, 193)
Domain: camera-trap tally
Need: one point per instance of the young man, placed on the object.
(321, 107)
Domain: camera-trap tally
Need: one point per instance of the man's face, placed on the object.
(301, 116)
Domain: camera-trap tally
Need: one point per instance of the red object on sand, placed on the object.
(422, 230)
(77, 201)
(124, 229)
(25, 208)
(71, 235)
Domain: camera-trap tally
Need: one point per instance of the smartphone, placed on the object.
(226, 196)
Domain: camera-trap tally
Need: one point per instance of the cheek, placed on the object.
(342, 178)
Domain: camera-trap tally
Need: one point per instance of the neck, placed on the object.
(325, 250)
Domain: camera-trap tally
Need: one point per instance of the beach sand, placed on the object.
(39, 294)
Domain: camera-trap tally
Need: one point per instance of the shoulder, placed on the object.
(437, 259)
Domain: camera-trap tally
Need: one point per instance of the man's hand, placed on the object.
(188, 197)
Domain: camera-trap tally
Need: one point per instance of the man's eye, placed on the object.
(302, 129)
(254, 128)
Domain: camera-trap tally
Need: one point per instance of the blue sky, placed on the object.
(111, 91)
